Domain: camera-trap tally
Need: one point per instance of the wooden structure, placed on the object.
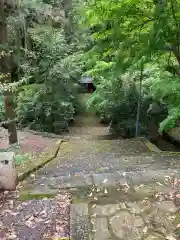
(87, 81)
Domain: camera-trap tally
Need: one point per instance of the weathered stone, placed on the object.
(79, 222)
(79, 228)
(80, 209)
(155, 236)
(70, 181)
(8, 174)
(145, 190)
(162, 230)
(106, 210)
(146, 207)
(166, 206)
(160, 219)
(127, 226)
(100, 229)
(104, 179)
(134, 208)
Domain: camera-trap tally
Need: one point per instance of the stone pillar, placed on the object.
(8, 174)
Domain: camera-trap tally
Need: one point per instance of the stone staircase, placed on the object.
(112, 182)
(132, 203)
(120, 189)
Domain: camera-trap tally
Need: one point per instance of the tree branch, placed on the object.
(144, 23)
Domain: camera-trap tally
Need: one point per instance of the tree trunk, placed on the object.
(68, 28)
(139, 100)
(10, 117)
(6, 70)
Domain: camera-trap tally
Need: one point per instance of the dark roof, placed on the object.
(86, 79)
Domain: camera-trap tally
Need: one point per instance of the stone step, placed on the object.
(79, 222)
(102, 180)
(108, 162)
(123, 220)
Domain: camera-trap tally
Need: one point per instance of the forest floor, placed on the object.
(44, 218)
(28, 142)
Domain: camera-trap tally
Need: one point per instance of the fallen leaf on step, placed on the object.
(37, 220)
(92, 222)
(14, 213)
(105, 180)
(12, 236)
(105, 191)
(145, 229)
(170, 237)
(160, 184)
(178, 226)
(30, 224)
(168, 177)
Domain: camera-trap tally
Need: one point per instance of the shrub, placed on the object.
(43, 111)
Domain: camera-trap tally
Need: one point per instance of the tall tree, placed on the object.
(6, 72)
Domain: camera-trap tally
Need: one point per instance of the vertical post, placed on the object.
(139, 100)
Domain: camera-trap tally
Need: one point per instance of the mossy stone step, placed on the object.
(25, 195)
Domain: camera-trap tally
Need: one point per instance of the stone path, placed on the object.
(129, 220)
(87, 162)
(119, 189)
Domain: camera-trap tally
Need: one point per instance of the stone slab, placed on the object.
(70, 181)
(127, 226)
(100, 229)
(79, 222)
(105, 210)
(146, 176)
(80, 209)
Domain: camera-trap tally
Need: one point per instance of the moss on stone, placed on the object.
(35, 196)
(38, 162)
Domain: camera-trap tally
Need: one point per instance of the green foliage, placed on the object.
(52, 51)
(20, 159)
(165, 89)
(37, 111)
(125, 34)
(46, 62)
(51, 104)
(115, 100)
